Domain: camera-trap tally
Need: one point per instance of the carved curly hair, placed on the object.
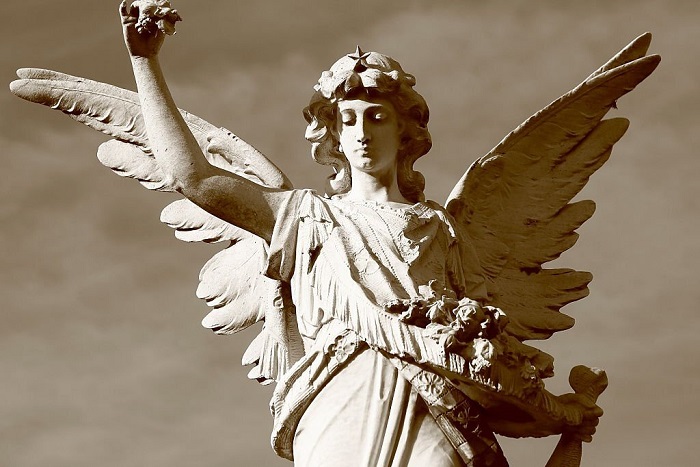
(372, 75)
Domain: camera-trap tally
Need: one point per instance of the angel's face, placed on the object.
(369, 132)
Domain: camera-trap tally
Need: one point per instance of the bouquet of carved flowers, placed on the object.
(465, 327)
(461, 326)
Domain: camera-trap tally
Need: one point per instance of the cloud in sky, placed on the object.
(103, 361)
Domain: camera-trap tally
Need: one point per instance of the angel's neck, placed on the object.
(370, 187)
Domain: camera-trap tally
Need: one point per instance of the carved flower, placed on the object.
(442, 309)
(429, 383)
(343, 348)
(467, 416)
(155, 15)
(429, 291)
(366, 70)
(450, 337)
(415, 314)
(531, 376)
(496, 323)
(470, 318)
(482, 355)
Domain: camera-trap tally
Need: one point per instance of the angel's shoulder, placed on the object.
(449, 222)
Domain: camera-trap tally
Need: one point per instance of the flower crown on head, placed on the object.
(362, 70)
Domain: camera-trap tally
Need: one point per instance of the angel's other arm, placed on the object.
(222, 193)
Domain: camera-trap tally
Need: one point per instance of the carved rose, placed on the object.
(343, 348)
(453, 323)
(482, 355)
(434, 305)
(429, 383)
(155, 15)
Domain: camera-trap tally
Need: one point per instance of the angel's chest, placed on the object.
(379, 236)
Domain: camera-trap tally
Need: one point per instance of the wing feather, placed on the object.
(514, 203)
(194, 224)
(636, 49)
(106, 108)
(127, 160)
(234, 285)
(516, 291)
(232, 282)
(553, 237)
(117, 113)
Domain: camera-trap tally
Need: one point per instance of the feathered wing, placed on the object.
(232, 282)
(117, 113)
(514, 203)
(234, 285)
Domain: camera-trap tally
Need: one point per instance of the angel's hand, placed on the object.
(580, 422)
(589, 412)
(145, 24)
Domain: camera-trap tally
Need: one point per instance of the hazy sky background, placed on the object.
(102, 359)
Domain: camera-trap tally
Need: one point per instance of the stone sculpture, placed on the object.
(393, 327)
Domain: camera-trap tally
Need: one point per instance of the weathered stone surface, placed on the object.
(430, 304)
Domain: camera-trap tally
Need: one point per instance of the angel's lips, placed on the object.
(363, 151)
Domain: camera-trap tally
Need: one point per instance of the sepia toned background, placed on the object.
(102, 359)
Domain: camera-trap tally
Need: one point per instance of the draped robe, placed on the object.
(345, 402)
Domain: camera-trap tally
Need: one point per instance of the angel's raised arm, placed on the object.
(226, 195)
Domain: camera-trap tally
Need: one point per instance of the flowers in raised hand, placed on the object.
(154, 16)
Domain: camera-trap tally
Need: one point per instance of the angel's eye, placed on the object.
(347, 119)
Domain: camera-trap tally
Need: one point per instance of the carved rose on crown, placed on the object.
(362, 69)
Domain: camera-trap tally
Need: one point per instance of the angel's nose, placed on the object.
(363, 133)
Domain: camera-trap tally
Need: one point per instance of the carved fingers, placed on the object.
(583, 426)
(145, 24)
(124, 14)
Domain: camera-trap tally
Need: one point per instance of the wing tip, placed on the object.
(587, 207)
(29, 72)
(46, 74)
(19, 86)
(26, 72)
(640, 45)
(16, 86)
(652, 61)
(631, 52)
(543, 330)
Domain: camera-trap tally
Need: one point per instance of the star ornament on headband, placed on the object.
(360, 58)
(362, 69)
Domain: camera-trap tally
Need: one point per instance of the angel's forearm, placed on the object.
(222, 193)
(171, 141)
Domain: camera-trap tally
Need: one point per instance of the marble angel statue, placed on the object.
(394, 327)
